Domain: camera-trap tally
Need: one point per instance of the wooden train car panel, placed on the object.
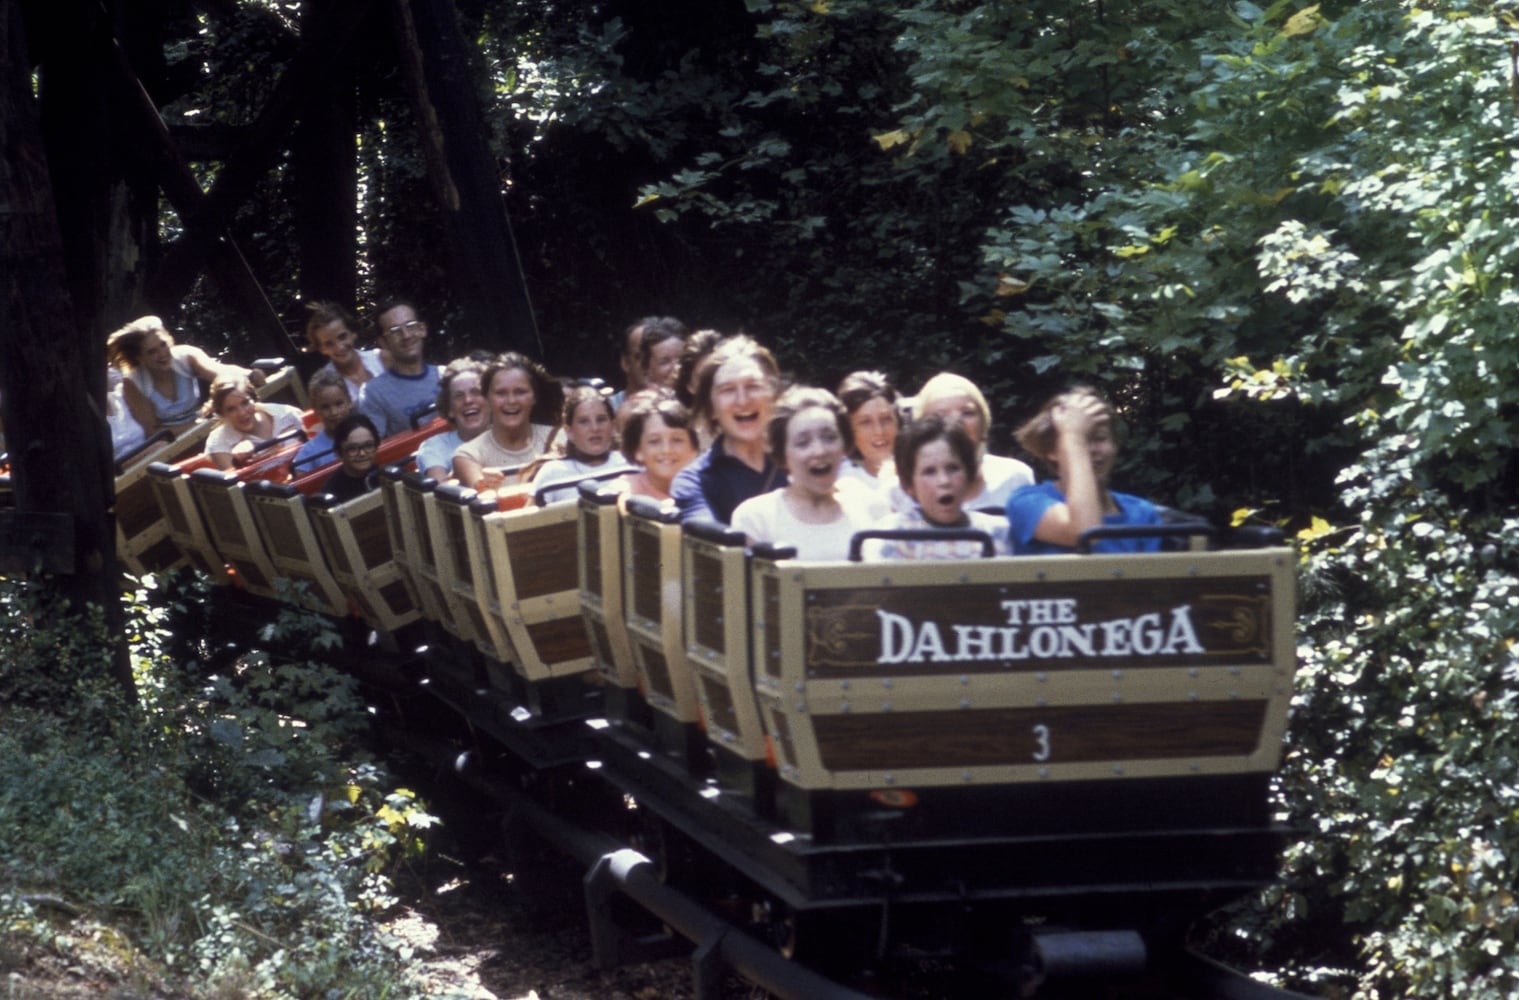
(532, 555)
(415, 497)
(1068, 668)
(435, 566)
(285, 386)
(143, 541)
(356, 542)
(483, 578)
(455, 571)
(187, 529)
(291, 541)
(228, 518)
(233, 531)
(716, 569)
(601, 586)
(651, 548)
(403, 534)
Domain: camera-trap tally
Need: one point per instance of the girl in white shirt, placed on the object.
(588, 433)
(817, 513)
(246, 423)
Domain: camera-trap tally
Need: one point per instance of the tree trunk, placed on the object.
(488, 276)
(325, 175)
(54, 372)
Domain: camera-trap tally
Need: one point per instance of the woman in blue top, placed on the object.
(1075, 435)
(736, 390)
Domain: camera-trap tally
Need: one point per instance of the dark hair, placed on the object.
(926, 430)
(859, 388)
(794, 401)
(457, 367)
(640, 406)
(656, 334)
(390, 302)
(731, 349)
(548, 394)
(325, 313)
(698, 346)
(348, 425)
(583, 394)
(1037, 435)
(663, 325)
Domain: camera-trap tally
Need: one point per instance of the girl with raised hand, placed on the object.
(815, 512)
(1075, 434)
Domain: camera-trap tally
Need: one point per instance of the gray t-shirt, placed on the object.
(391, 399)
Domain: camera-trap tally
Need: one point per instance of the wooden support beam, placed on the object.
(208, 215)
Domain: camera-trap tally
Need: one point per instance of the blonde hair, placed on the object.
(124, 347)
(949, 384)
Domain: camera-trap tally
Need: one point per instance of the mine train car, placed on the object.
(914, 758)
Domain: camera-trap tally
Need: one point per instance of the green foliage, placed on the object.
(1312, 232)
(1404, 740)
(1277, 233)
(234, 818)
(44, 665)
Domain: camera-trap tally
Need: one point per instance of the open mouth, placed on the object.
(821, 469)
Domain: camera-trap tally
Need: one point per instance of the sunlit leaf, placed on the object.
(1007, 285)
(1303, 22)
(1317, 528)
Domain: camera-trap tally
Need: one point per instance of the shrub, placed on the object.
(234, 817)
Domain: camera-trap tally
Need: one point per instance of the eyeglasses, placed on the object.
(412, 327)
(361, 448)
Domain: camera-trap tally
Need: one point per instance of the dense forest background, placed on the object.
(1281, 236)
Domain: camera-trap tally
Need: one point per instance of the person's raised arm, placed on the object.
(1075, 418)
(208, 369)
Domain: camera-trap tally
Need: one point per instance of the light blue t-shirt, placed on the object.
(392, 399)
(314, 454)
